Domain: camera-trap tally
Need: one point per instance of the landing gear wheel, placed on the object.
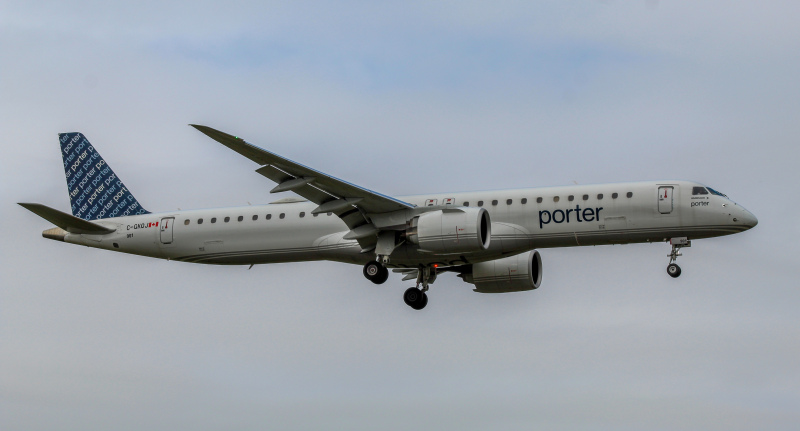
(383, 275)
(674, 270)
(415, 298)
(375, 272)
(424, 301)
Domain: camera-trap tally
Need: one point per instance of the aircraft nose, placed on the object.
(748, 219)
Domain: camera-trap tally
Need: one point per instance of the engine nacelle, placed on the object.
(457, 230)
(511, 274)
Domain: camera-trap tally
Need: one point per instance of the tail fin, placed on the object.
(95, 191)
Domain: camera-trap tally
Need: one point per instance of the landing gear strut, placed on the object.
(673, 269)
(415, 297)
(375, 272)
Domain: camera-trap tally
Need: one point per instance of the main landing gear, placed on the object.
(415, 297)
(673, 269)
(376, 272)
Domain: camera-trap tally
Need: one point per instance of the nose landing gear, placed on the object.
(673, 269)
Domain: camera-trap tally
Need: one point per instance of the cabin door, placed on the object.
(665, 200)
(165, 228)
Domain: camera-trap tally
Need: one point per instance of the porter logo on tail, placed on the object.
(95, 191)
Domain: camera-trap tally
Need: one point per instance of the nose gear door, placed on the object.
(665, 199)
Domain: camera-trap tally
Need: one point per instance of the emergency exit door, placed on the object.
(665, 200)
(165, 229)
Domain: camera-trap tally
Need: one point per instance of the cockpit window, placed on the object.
(699, 191)
(714, 192)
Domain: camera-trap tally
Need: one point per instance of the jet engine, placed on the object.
(457, 230)
(511, 274)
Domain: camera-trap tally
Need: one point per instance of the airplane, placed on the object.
(490, 239)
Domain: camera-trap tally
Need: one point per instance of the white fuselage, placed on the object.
(522, 220)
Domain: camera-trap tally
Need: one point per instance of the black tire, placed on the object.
(372, 270)
(412, 296)
(423, 302)
(382, 276)
(674, 270)
(415, 298)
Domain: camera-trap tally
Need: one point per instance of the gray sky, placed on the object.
(407, 98)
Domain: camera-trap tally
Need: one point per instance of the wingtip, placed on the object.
(205, 129)
(214, 133)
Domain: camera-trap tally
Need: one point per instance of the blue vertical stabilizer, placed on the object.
(95, 191)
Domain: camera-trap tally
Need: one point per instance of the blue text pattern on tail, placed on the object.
(95, 191)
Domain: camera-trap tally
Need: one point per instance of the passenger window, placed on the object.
(269, 216)
(213, 219)
(466, 204)
(255, 217)
(302, 214)
(240, 218)
(199, 221)
(699, 191)
(614, 195)
(508, 202)
(480, 203)
(538, 200)
(186, 222)
(571, 198)
(630, 194)
(282, 215)
(494, 202)
(329, 214)
(556, 198)
(316, 215)
(586, 197)
(599, 196)
(523, 201)
(227, 219)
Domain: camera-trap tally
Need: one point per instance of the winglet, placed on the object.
(66, 221)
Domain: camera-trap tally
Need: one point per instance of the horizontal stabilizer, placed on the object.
(66, 221)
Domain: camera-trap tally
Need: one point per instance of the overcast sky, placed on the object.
(403, 98)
